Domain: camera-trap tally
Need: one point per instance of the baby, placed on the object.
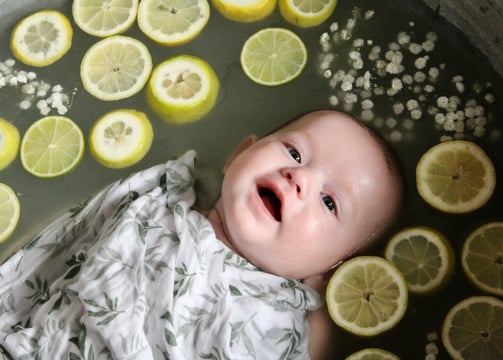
(137, 273)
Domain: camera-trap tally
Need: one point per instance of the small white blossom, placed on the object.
(396, 136)
(420, 62)
(333, 100)
(489, 98)
(415, 48)
(398, 108)
(428, 46)
(391, 122)
(367, 115)
(367, 104)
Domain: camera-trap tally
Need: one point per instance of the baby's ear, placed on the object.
(242, 146)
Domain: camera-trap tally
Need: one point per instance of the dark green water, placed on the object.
(244, 107)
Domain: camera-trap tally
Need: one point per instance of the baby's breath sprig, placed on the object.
(35, 92)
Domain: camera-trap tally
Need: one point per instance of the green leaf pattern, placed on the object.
(135, 272)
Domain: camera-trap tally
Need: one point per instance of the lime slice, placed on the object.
(273, 56)
(482, 257)
(120, 138)
(245, 10)
(104, 18)
(52, 146)
(367, 295)
(9, 211)
(41, 38)
(9, 143)
(372, 354)
(115, 68)
(173, 22)
(306, 13)
(473, 329)
(424, 256)
(183, 89)
(455, 176)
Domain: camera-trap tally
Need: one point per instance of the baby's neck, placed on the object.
(215, 218)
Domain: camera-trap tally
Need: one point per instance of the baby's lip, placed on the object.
(271, 199)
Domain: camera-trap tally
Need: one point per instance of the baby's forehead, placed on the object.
(327, 124)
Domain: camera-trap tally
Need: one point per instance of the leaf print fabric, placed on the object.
(136, 273)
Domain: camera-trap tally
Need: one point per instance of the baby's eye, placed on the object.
(295, 154)
(329, 203)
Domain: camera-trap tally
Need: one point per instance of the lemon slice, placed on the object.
(52, 146)
(482, 258)
(424, 256)
(372, 354)
(115, 68)
(455, 176)
(183, 89)
(173, 22)
(367, 295)
(245, 10)
(41, 38)
(120, 138)
(9, 143)
(473, 329)
(104, 18)
(273, 56)
(306, 13)
(10, 211)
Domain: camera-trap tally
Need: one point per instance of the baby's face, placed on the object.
(299, 200)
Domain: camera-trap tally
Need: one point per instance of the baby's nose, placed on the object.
(293, 179)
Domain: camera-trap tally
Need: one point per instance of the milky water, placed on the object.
(396, 66)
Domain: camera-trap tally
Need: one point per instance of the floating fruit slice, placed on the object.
(42, 38)
(473, 329)
(104, 18)
(372, 354)
(455, 176)
(9, 211)
(173, 22)
(9, 143)
(482, 258)
(367, 295)
(306, 13)
(273, 56)
(52, 146)
(424, 256)
(115, 68)
(183, 89)
(120, 138)
(245, 10)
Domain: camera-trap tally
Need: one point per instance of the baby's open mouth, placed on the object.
(271, 202)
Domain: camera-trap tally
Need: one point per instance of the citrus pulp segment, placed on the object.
(120, 138)
(482, 258)
(273, 56)
(306, 13)
(245, 10)
(41, 38)
(372, 354)
(173, 22)
(115, 68)
(183, 89)
(424, 256)
(52, 146)
(104, 17)
(9, 143)
(10, 211)
(473, 329)
(455, 176)
(367, 295)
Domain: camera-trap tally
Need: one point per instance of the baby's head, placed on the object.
(303, 198)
